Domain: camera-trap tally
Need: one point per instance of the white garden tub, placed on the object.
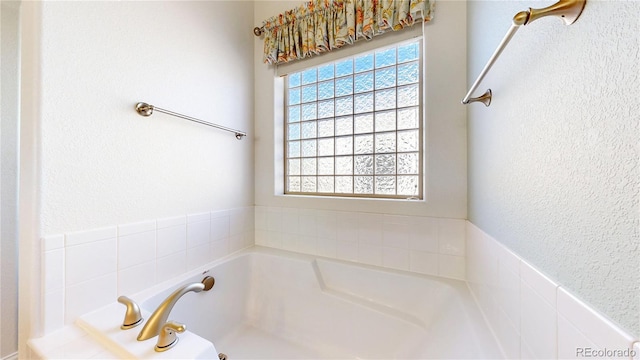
(272, 304)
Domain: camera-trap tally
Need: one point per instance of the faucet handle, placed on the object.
(133, 316)
(168, 338)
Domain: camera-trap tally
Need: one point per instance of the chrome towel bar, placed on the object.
(145, 109)
(567, 10)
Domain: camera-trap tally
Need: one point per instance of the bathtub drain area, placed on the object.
(249, 342)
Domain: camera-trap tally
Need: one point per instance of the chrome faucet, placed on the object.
(161, 314)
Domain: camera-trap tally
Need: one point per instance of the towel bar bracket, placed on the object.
(484, 98)
(567, 10)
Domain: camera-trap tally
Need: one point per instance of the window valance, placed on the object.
(323, 25)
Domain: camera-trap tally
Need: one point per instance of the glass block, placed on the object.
(408, 140)
(385, 164)
(325, 127)
(325, 165)
(408, 95)
(385, 57)
(294, 184)
(309, 148)
(408, 185)
(294, 96)
(294, 114)
(325, 147)
(294, 149)
(294, 131)
(385, 78)
(408, 52)
(344, 145)
(363, 82)
(309, 129)
(325, 72)
(344, 86)
(385, 185)
(344, 165)
(363, 165)
(364, 63)
(408, 163)
(344, 184)
(344, 68)
(363, 123)
(325, 109)
(408, 73)
(386, 142)
(363, 144)
(363, 184)
(408, 118)
(294, 167)
(344, 125)
(308, 184)
(309, 166)
(325, 184)
(309, 111)
(363, 103)
(294, 79)
(344, 106)
(325, 90)
(347, 120)
(385, 99)
(309, 76)
(309, 93)
(386, 120)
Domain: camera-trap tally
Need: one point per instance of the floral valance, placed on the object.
(323, 25)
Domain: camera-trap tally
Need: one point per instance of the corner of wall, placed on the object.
(530, 314)
(29, 193)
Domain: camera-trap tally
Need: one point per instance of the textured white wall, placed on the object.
(445, 149)
(101, 162)
(553, 162)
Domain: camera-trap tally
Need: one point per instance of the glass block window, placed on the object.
(353, 127)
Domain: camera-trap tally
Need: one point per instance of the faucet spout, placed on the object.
(161, 314)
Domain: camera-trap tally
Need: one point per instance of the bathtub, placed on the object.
(273, 304)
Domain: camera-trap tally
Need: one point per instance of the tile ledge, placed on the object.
(585, 318)
(50, 346)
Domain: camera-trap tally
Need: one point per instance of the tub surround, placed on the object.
(83, 271)
(426, 245)
(531, 315)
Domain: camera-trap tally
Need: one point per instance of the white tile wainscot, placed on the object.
(433, 246)
(85, 270)
(531, 316)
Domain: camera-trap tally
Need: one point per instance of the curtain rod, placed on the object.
(145, 109)
(567, 10)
